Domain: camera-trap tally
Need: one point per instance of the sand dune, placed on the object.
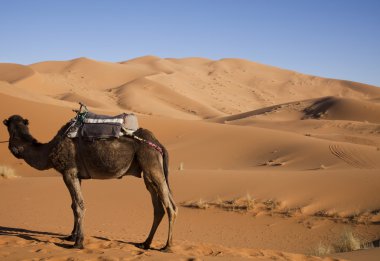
(224, 87)
(329, 108)
(75, 98)
(282, 160)
(147, 96)
(11, 73)
(96, 75)
(344, 109)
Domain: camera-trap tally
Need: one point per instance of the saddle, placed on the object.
(91, 126)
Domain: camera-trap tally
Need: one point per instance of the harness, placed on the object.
(153, 145)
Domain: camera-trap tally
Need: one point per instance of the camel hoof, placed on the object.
(166, 249)
(78, 246)
(71, 238)
(143, 245)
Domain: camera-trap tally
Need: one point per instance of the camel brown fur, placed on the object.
(77, 159)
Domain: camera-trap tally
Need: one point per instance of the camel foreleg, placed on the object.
(74, 232)
(73, 185)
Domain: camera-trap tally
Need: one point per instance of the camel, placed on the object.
(77, 159)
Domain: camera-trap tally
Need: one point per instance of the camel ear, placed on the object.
(5, 122)
(26, 122)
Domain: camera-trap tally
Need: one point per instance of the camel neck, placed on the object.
(37, 155)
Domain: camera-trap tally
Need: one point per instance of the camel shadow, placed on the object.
(32, 235)
(27, 234)
(12, 231)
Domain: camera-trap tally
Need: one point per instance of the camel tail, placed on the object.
(165, 156)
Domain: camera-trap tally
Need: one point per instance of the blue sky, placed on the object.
(330, 38)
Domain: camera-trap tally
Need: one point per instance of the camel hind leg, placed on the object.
(172, 211)
(158, 211)
(151, 163)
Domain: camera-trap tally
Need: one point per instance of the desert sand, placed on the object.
(265, 163)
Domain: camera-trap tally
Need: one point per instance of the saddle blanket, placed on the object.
(96, 126)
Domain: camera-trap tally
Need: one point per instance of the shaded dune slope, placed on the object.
(327, 108)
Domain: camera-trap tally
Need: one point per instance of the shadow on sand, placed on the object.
(32, 235)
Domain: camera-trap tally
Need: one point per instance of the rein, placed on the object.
(4, 141)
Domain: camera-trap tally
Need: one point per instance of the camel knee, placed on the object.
(173, 205)
(81, 205)
(76, 207)
(168, 203)
(79, 208)
(172, 212)
(175, 214)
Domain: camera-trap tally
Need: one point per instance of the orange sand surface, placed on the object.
(265, 163)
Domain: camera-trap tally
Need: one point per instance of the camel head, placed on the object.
(19, 134)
